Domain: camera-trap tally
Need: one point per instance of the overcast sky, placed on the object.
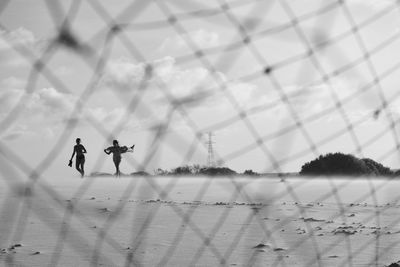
(173, 70)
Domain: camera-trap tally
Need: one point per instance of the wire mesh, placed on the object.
(300, 53)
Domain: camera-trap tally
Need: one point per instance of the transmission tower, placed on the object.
(210, 157)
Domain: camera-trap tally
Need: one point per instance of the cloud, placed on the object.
(195, 88)
(123, 75)
(43, 104)
(46, 110)
(179, 83)
(42, 110)
(202, 97)
(23, 38)
(201, 38)
(19, 36)
(199, 92)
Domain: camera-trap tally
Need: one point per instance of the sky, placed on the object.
(276, 82)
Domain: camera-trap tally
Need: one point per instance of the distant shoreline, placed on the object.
(105, 174)
(260, 175)
(331, 164)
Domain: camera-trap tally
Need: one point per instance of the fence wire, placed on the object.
(325, 42)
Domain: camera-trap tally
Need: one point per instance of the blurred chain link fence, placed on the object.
(318, 59)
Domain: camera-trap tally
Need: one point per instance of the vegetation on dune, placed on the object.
(344, 164)
(196, 170)
(328, 164)
(377, 168)
(394, 264)
(250, 173)
(214, 171)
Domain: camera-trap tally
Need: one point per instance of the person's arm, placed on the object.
(107, 151)
(84, 149)
(73, 154)
(123, 149)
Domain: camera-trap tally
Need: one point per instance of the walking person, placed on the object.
(117, 151)
(80, 150)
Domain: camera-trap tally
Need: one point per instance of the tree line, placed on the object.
(345, 164)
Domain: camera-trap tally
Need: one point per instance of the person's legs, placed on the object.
(78, 164)
(82, 166)
(116, 168)
(116, 163)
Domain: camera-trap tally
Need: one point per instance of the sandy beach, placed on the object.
(186, 221)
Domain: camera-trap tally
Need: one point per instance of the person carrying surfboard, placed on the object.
(117, 151)
(79, 149)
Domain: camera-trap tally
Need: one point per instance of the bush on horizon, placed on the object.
(250, 173)
(186, 170)
(196, 170)
(215, 171)
(343, 164)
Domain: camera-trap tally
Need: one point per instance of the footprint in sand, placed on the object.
(262, 245)
(104, 210)
(14, 246)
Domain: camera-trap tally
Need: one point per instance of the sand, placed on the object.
(147, 221)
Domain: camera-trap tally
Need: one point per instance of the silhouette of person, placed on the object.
(79, 149)
(117, 151)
